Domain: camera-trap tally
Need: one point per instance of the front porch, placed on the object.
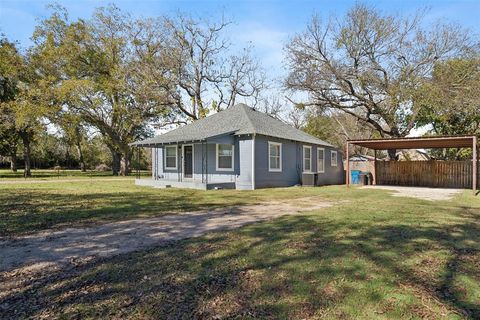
(192, 184)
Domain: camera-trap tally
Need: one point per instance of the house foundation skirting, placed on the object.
(184, 184)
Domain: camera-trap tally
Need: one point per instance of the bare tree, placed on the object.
(274, 106)
(368, 65)
(205, 75)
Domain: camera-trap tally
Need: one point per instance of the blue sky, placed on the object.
(267, 24)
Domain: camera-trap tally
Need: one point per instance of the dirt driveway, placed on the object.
(63, 247)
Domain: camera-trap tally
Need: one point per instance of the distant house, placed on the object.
(240, 148)
(413, 155)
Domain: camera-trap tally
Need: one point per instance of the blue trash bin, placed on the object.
(355, 179)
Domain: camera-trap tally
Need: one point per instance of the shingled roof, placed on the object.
(237, 120)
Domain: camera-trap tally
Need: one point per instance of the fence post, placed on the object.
(347, 158)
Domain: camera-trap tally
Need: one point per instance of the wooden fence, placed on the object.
(448, 174)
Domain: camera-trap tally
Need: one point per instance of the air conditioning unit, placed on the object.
(309, 179)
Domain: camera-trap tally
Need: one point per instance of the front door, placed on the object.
(188, 162)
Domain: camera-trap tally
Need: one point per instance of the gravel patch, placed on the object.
(431, 194)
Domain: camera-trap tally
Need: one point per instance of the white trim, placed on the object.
(303, 158)
(253, 162)
(183, 161)
(280, 156)
(176, 157)
(216, 158)
(336, 158)
(318, 158)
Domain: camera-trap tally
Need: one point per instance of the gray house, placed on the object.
(240, 148)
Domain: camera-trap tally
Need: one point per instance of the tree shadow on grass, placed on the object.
(35, 210)
(302, 266)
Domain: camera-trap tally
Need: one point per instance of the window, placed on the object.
(274, 156)
(334, 159)
(320, 159)
(224, 157)
(170, 157)
(307, 158)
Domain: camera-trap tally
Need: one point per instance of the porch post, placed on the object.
(155, 171)
(206, 162)
(347, 158)
(375, 168)
(475, 160)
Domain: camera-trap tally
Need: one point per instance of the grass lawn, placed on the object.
(372, 256)
(26, 208)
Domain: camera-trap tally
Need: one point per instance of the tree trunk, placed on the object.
(13, 161)
(392, 154)
(83, 167)
(126, 161)
(67, 158)
(26, 156)
(116, 159)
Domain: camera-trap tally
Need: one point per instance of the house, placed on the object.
(413, 155)
(362, 162)
(240, 148)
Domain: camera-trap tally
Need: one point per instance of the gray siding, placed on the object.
(332, 175)
(243, 174)
(214, 176)
(211, 161)
(291, 166)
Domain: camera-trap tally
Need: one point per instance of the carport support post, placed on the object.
(347, 162)
(475, 160)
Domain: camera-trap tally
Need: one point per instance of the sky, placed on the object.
(267, 25)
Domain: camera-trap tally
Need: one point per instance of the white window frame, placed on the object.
(336, 159)
(270, 169)
(176, 157)
(303, 158)
(233, 158)
(318, 158)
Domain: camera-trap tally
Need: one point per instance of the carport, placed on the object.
(427, 173)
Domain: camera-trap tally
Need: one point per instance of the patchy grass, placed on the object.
(32, 207)
(371, 257)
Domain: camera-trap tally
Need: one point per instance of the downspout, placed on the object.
(253, 161)
(206, 164)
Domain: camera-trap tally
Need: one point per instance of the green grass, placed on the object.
(47, 174)
(372, 256)
(32, 207)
